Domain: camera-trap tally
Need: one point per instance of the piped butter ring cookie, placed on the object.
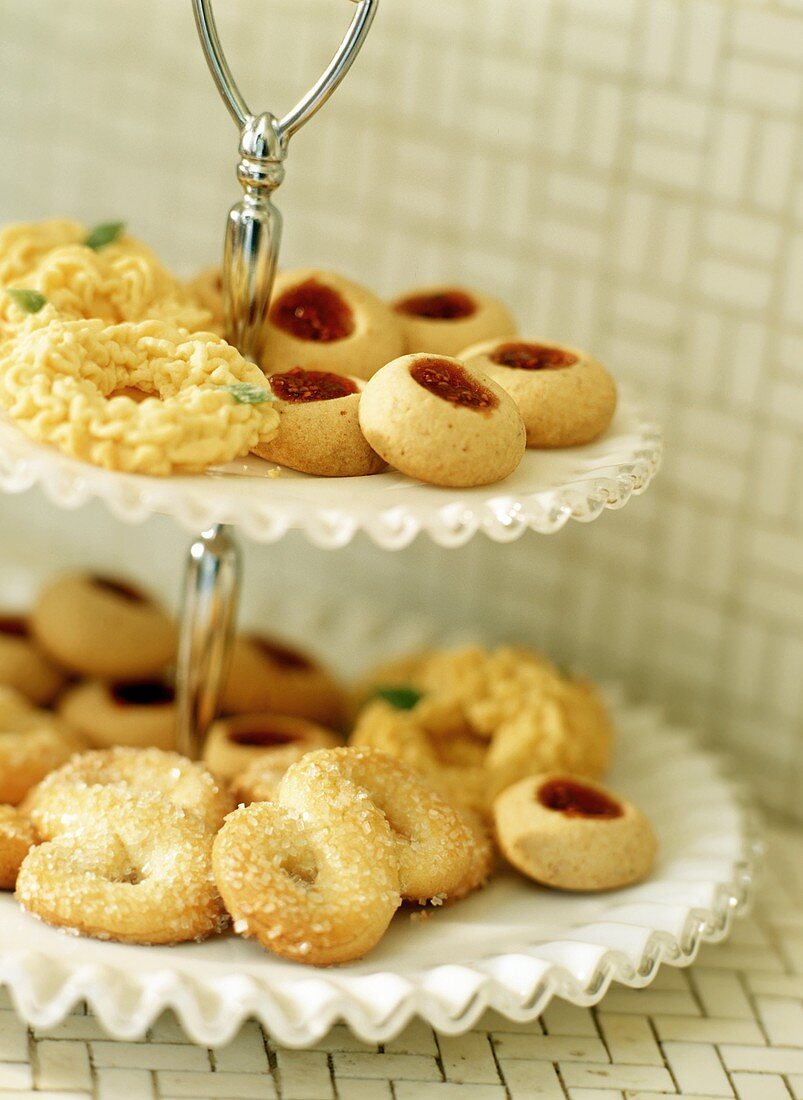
(16, 840)
(439, 421)
(23, 665)
(566, 397)
(234, 743)
(69, 796)
(443, 320)
(573, 834)
(204, 404)
(318, 884)
(97, 626)
(139, 872)
(139, 713)
(32, 743)
(321, 321)
(270, 675)
(319, 426)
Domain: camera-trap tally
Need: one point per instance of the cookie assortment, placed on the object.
(109, 357)
(318, 811)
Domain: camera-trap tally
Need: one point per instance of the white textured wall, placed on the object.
(628, 173)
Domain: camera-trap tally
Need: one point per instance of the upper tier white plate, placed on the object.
(549, 488)
(512, 946)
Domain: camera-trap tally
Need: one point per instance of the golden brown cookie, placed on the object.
(23, 665)
(321, 321)
(17, 837)
(573, 834)
(260, 781)
(319, 427)
(234, 743)
(565, 396)
(269, 675)
(32, 744)
(101, 627)
(140, 713)
(442, 320)
(442, 422)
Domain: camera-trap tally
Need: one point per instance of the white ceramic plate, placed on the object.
(512, 946)
(548, 489)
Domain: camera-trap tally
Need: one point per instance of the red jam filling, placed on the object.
(446, 305)
(145, 693)
(450, 382)
(312, 311)
(532, 357)
(126, 591)
(574, 799)
(282, 655)
(297, 386)
(261, 738)
(14, 626)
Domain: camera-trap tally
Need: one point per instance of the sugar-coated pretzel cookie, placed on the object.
(69, 796)
(439, 421)
(321, 321)
(270, 675)
(439, 850)
(573, 834)
(17, 837)
(98, 626)
(442, 320)
(319, 425)
(140, 871)
(138, 713)
(318, 884)
(32, 744)
(65, 383)
(23, 665)
(566, 397)
(234, 743)
(260, 781)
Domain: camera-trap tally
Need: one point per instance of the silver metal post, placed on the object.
(208, 613)
(253, 238)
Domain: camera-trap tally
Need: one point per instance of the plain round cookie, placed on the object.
(97, 626)
(270, 675)
(444, 423)
(565, 396)
(140, 713)
(322, 321)
(442, 320)
(319, 425)
(234, 743)
(573, 834)
(23, 665)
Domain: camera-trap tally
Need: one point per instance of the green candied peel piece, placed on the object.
(244, 393)
(103, 234)
(29, 300)
(399, 696)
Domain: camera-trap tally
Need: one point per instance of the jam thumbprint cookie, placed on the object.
(23, 665)
(321, 321)
(270, 675)
(319, 429)
(437, 420)
(139, 713)
(444, 319)
(573, 834)
(98, 626)
(565, 396)
(235, 743)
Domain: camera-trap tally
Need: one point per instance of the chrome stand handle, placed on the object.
(208, 614)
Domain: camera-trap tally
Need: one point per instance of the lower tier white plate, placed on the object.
(512, 946)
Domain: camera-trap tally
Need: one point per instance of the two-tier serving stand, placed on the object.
(511, 946)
